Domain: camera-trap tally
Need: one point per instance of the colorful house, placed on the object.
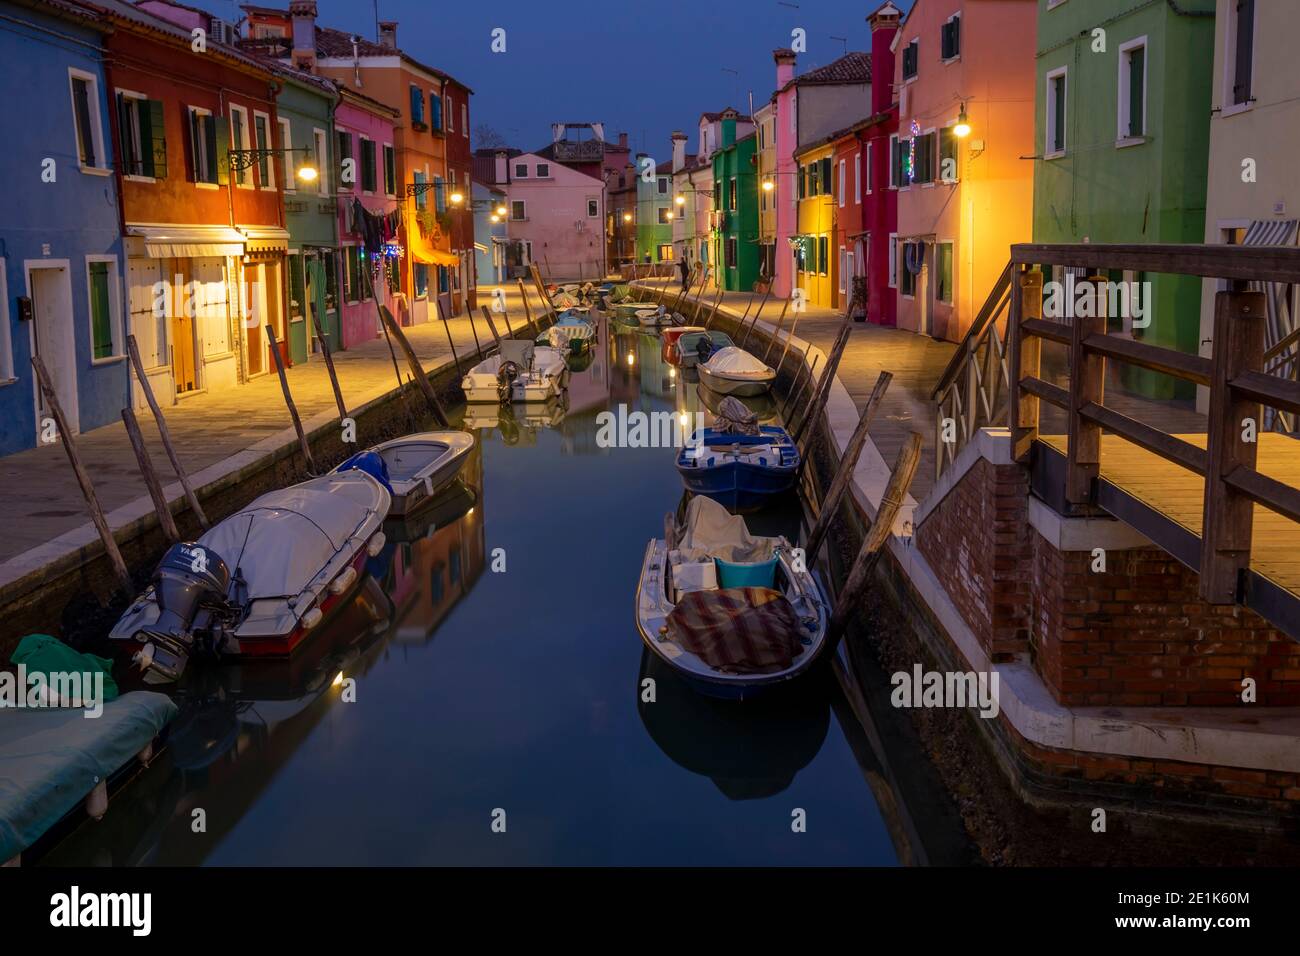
(962, 202)
(363, 128)
(654, 211)
(460, 212)
(61, 259)
(490, 215)
(1123, 133)
(556, 218)
(1254, 112)
(202, 208)
(848, 240)
(735, 198)
(620, 216)
(879, 201)
(815, 238)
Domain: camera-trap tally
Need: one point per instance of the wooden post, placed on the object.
(505, 314)
(288, 400)
(133, 351)
(793, 325)
(824, 385)
(379, 313)
(848, 462)
(791, 401)
(1024, 354)
(46, 386)
(877, 537)
(776, 332)
(329, 364)
(1087, 385)
(447, 328)
(717, 300)
(150, 476)
(492, 327)
(1239, 322)
(417, 370)
(753, 325)
(528, 312)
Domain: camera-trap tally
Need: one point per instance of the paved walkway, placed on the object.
(208, 428)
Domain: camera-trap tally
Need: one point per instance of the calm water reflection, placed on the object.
(517, 689)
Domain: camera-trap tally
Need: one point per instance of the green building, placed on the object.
(1122, 136)
(735, 200)
(654, 212)
(305, 109)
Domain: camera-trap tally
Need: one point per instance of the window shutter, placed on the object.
(826, 176)
(435, 111)
(1058, 133)
(1244, 51)
(192, 150)
(218, 149)
(1136, 83)
(129, 165)
(153, 139)
(955, 39)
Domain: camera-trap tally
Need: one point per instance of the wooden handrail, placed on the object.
(1167, 446)
(992, 307)
(1269, 390)
(1245, 263)
(1191, 368)
(1282, 345)
(1046, 391)
(1046, 329)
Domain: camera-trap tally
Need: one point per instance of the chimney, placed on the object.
(679, 150)
(303, 14)
(728, 132)
(388, 34)
(884, 24)
(784, 67)
(502, 167)
(622, 140)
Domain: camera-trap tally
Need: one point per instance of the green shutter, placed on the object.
(153, 140)
(219, 149)
(826, 176)
(101, 325)
(1136, 83)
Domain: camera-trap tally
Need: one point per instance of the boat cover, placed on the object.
(735, 418)
(737, 630)
(714, 532)
(50, 759)
(734, 362)
(373, 464)
(281, 541)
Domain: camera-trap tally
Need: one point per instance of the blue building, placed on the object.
(62, 294)
(489, 234)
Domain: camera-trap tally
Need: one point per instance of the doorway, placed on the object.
(254, 318)
(50, 285)
(181, 328)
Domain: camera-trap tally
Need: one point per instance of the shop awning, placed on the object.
(183, 242)
(420, 246)
(265, 239)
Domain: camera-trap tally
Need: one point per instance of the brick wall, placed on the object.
(978, 542)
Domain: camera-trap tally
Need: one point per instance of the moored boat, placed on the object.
(572, 332)
(519, 372)
(733, 371)
(731, 612)
(414, 467)
(694, 343)
(257, 583)
(737, 462)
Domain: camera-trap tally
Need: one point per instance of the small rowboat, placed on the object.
(669, 337)
(570, 333)
(733, 371)
(414, 468)
(730, 612)
(740, 472)
(687, 347)
(520, 372)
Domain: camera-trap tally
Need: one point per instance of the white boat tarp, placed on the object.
(714, 532)
(283, 539)
(733, 361)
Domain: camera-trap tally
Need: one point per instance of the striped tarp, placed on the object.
(737, 630)
(1280, 232)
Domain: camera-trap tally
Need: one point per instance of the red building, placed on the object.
(460, 174)
(205, 241)
(879, 199)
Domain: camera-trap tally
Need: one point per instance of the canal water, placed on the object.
(497, 675)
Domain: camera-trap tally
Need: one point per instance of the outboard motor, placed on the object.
(191, 580)
(703, 349)
(506, 376)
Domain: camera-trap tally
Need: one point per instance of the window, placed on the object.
(844, 270)
(417, 108)
(347, 165)
(144, 150)
(369, 167)
(464, 120)
(435, 111)
(948, 155)
(814, 179)
(663, 185)
(330, 262)
(733, 252)
(1132, 90)
(664, 215)
(521, 170)
(665, 252)
(910, 60)
(593, 209)
(352, 266)
(857, 176)
(105, 324)
(518, 210)
(906, 278)
(322, 162)
(262, 137)
(826, 164)
(950, 38)
(922, 158)
(895, 162)
(286, 158)
(239, 139)
(451, 115)
(390, 171)
(731, 195)
(823, 255)
(421, 275)
(85, 120)
(1240, 52)
(204, 133)
(439, 195)
(543, 170)
(840, 185)
(1056, 104)
(943, 268)
(421, 195)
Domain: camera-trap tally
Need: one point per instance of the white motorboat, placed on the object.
(733, 371)
(416, 467)
(258, 582)
(520, 372)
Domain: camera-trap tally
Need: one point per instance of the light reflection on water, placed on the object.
(516, 689)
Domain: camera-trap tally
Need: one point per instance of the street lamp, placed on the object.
(768, 185)
(962, 129)
(501, 210)
(242, 159)
(457, 199)
(627, 217)
(681, 200)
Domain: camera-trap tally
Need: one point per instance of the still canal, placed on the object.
(498, 678)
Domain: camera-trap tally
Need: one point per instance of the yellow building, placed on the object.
(816, 242)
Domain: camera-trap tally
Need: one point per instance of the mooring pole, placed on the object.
(491, 326)
(329, 364)
(753, 325)
(528, 312)
(379, 313)
(824, 386)
(133, 351)
(442, 315)
(417, 370)
(165, 519)
(43, 381)
(801, 379)
(776, 332)
(288, 400)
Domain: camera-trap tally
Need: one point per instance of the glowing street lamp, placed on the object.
(501, 210)
(627, 217)
(457, 199)
(681, 200)
(768, 185)
(962, 129)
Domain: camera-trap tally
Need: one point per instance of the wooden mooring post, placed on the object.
(528, 312)
(844, 474)
(824, 385)
(417, 370)
(329, 364)
(717, 300)
(288, 400)
(789, 337)
(874, 544)
(165, 519)
(133, 351)
(46, 385)
(492, 327)
(379, 314)
(802, 375)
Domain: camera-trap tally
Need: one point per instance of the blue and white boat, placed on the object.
(739, 471)
(572, 332)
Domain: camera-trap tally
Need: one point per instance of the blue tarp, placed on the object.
(50, 759)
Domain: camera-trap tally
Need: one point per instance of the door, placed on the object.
(316, 300)
(53, 340)
(254, 319)
(300, 332)
(180, 328)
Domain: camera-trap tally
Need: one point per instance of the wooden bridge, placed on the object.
(1218, 492)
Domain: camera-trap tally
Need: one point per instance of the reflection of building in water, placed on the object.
(438, 555)
(655, 379)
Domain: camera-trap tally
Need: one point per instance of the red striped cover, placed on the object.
(737, 630)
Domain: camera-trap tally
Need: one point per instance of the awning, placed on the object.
(184, 242)
(419, 245)
(1275, 232)
(265, 239)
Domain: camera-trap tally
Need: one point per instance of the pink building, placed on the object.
(787, 197)
(557, 218)
(362, 118)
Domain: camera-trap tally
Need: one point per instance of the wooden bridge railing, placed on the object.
(1235, 376)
